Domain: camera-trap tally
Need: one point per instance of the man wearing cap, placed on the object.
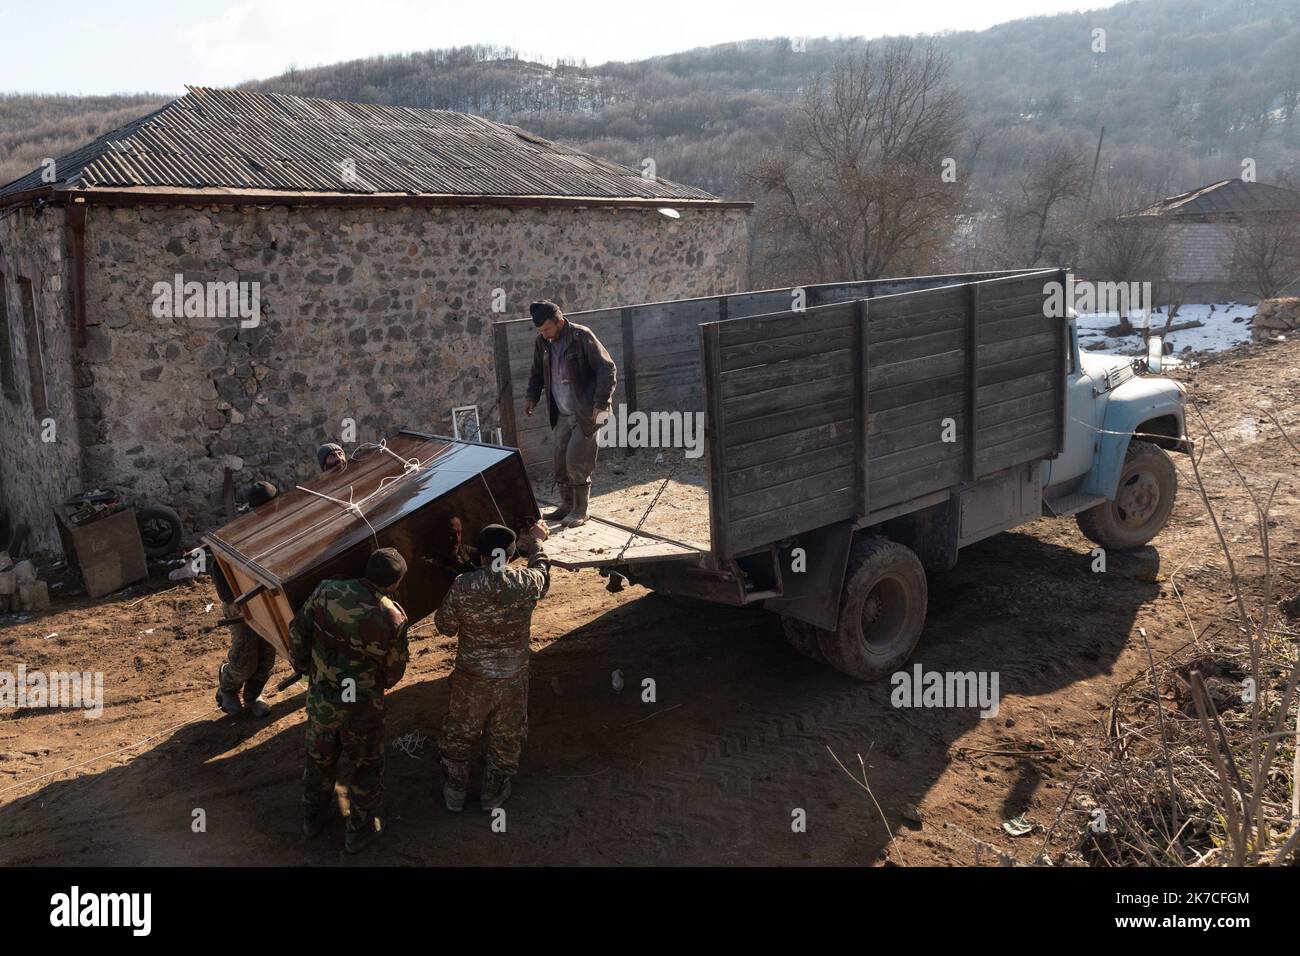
(490, 610)
(250, 660)
(349, 638)
(579, 378)
(331, 456)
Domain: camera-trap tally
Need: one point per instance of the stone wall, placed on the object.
(39, 447)
(1276, 318)
(381, 317)
(1200, 252)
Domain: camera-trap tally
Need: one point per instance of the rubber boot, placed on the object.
(495, 790)
(578, 516)
(453, 790)
(314, 820)
(253, 699)
(560, 511)
(354, 841)
(227, 700)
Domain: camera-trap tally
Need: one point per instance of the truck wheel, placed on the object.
(882, 610)
(1142, 504)
(160, 530)
(802, 636)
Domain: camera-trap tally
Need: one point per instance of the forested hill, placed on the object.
(1185, 89)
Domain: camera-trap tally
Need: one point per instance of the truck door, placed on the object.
(1081, 419)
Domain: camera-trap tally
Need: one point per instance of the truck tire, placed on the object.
(802, 636)
(882, 610)
(160, 530)
(1143, 501)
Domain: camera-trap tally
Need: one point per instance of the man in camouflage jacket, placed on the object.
(491, 610)
(349, 638)
(249, 663)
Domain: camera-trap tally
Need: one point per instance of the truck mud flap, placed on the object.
(813, 595)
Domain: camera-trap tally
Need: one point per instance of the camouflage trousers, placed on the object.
(494, 707)
(248, 664)
(355, 732)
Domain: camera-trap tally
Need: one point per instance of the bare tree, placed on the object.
(861, 192)
(1122, 246)
(1266, 253)
(1054, 176)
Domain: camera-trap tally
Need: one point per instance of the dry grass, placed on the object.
(1197, 769)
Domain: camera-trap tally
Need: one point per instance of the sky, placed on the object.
(89, 48)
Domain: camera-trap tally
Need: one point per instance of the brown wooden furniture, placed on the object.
(405, 498)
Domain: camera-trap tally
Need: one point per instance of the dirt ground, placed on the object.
(739, 737)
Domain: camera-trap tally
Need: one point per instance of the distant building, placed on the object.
(235, 277)
(1200, 233)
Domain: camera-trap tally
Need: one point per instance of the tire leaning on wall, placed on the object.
(161, 530)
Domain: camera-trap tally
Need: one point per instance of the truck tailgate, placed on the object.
(600, 543)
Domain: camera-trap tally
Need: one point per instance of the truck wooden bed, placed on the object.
(826, 408)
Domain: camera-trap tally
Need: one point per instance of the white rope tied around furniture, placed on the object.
(409, 467)
(348, 507)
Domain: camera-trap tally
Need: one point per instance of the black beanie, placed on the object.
(260, 492)
(544, 311)
(324, 451)
(385, 568)
(496, 536)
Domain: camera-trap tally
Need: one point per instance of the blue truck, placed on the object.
(859, 434)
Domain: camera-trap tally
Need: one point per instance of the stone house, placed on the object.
(1200, 229)
(226, 282)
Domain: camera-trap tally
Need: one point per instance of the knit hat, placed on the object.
(386, 567)
(544, 311)
(324, 451)
(260, 492)
(494, 537)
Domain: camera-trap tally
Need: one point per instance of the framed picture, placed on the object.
(464, 423)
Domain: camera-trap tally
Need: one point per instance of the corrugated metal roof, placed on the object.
(236, 139)
(1227, 196)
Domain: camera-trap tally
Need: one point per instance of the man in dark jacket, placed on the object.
(579, 378)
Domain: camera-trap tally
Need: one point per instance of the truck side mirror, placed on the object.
(1155, 354)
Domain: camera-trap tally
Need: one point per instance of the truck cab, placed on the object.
(1114, 472)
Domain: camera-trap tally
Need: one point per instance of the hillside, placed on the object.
(1186, 89)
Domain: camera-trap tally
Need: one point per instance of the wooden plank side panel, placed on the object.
(891, 490)
(1020, 368)
(781, 471)
(798, 442)
(939, 310)
(750, 382)
(769, 526)
(929, 429)
(787, 395)
(747, 304)
(805, 395)
(780, 424)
